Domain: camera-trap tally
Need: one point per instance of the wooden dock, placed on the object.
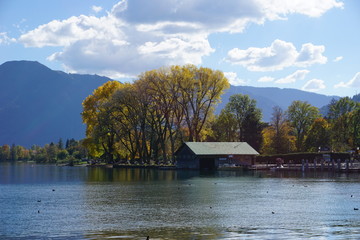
(336, 166)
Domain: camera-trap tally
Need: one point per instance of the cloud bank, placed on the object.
(130, 39)
(278, 56)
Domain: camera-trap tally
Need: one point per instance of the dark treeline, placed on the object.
(146, 121)
(70, 152)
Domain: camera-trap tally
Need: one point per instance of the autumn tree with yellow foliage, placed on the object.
(150, 118)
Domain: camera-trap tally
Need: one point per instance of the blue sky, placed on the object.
(309, 45)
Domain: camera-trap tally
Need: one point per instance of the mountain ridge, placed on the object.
(39, 105)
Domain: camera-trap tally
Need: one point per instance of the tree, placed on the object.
(277, 137)
(344, 123)
(99, 132)
(319, 135)
(301, 116)
(51, 152)
(129, 121)
(224, 127)
(62, 154)
(355, 122)
(5, 153)
(60, 144)
(13, 153)
(356, 98)
(200, 89)
(247, 116)
(338, 108)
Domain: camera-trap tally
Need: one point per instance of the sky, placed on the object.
(308, 45)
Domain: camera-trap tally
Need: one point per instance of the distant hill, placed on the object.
(39, 105)
(268, 97)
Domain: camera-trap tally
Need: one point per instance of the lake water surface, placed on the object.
(50, 202)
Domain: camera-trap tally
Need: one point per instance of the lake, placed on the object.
(52, 202)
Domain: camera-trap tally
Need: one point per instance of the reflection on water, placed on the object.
(44, 201)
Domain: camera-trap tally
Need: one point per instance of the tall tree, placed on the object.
(60, 144)
(319, 135)
(247, 116)
(338, 108)
(5, 153)
(355, 122)
(200, 89)
(277, 137)
(99, 131)
(301, 116)
(129, 119)
(343, 119)
(224, 127)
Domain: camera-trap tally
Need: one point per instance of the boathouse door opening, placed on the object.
(207, 164)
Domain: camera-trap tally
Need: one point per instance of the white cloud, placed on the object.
(280, 8)
(297, 75)
(278, 56)
(266, 79)
(314, 85)
(310, 54)
(233, 79)
(5, 39)
(96, 9)
(139, 34)
(337, 59)
(226, 16)
(72, 30)
(353, 83)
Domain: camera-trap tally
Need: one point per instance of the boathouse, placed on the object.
(214, 155)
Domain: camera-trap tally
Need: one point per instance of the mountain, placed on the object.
(269, 97)
(39, 105)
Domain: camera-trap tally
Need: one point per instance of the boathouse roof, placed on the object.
(221, 148)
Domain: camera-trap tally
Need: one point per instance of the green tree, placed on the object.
(338, 108)
(51, 152)
(344, 125)
(5, 153)
(356, 98)
(247, 116)
(13, 153)
(355, 122)
(319, 135)
(60, 144)
(301, 116)
(62, 154)
(224, 127)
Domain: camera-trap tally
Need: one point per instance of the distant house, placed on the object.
(214, 155)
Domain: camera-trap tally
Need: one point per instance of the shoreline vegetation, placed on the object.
(143, 123)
